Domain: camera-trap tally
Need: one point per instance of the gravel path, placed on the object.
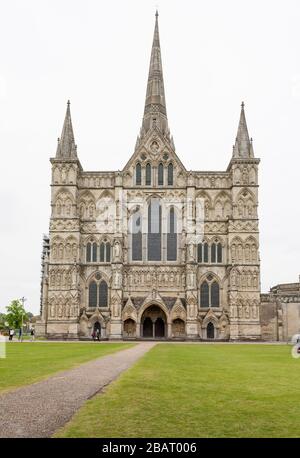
(38, 410)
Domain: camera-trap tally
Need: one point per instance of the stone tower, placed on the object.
(243, 238)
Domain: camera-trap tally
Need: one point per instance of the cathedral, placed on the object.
(152, 251)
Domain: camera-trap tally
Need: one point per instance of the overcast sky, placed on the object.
(96, 53)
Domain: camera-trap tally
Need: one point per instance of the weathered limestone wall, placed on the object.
(269, 321)
(280, 312)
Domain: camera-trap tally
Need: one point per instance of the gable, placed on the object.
(154, 149)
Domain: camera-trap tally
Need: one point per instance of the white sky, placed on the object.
(215, 55)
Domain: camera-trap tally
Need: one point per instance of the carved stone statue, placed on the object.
(245, 176)
(117, 251)
(233, 278)
(191, 251)
(52, 311)
(74, 276)
(117, 279)
(116, 308)
(63, 175)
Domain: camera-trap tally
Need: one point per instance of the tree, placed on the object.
(2, 321)
(28, 321)
(16, 314)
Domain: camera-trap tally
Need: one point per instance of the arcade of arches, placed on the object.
(154, 324)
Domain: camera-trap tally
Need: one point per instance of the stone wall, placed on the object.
(280, 312)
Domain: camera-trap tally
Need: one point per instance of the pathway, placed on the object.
(38, 410)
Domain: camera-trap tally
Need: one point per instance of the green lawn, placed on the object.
(198, 391)
(28, 362)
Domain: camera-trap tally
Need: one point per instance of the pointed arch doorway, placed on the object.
(154, 323)
(210, 331)
(96, 333)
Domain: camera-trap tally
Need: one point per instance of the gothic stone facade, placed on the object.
(165, 284)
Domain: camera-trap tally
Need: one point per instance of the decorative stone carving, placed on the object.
(141, 277)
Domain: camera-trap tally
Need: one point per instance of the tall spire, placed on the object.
(243, 144)
(66, 148)
(155, 112)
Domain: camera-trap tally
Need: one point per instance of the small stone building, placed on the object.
(280, 312)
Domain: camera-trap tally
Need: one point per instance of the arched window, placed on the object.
(93, 294)
(170, 174)
(94, 253)
(199, 252)
(205, 252)
(213, 253)
(89, 252)
(103, 294)
(160, 175)
(138, 174)
(219, 252)
(204, 295)
(154, 230)
(172, 236)
(102, 252)
(148, 174)
(136, 238)
(214, 294)
(107, 252)
(210, 293)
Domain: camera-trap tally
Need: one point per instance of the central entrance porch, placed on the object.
(154, 323)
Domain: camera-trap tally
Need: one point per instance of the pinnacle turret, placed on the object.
(243, 144)
(66, 148)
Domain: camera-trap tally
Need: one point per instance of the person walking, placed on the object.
(32, 335)
(98, 334)
(93, 335)
(11, 334)
(20, 335)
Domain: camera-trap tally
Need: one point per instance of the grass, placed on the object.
(27, 337)
(198, 391)
(27, 362)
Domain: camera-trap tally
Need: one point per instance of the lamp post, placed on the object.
(23, 299)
